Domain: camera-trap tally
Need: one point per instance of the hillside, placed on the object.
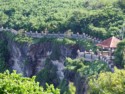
(63, 62)
(98, 18)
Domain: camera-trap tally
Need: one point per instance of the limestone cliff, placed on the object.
(30, 59)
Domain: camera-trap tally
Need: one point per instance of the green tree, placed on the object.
(72, 89)
(22, 38)
(85, 69)
(108, 83)
(53, 15)
(121, 3)
(12, 83)
(3, 18)
(120, 54)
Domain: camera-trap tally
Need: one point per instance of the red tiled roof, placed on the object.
(109, 43)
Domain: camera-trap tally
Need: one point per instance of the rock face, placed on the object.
(30, 59)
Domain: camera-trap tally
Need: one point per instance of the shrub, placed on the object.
(22, 38)
(12, 83)
(108, 83)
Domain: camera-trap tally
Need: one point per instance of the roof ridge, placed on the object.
(111, 40)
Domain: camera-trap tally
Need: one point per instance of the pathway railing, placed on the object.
(87, 56)
(55, 35)
(90, 56)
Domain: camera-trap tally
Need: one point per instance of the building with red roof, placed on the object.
(109, 43)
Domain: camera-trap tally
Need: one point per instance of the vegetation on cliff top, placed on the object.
(98, 18)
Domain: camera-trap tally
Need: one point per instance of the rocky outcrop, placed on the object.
(30, 59)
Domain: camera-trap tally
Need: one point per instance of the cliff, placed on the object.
(35, 58)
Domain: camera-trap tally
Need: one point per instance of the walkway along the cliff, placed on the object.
(86, 55)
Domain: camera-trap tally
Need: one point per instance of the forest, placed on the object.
(97, 18)
(51, 65)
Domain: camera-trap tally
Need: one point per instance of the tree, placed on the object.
(3, 18)
(53, 15)
(72, 89)
(121, 3)
(120, 54)
(12, 83)
(85, 69)
(108, 83)
(67, 87)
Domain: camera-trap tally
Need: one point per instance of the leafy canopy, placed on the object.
(100, 18)
(108, 83)
(12, 83)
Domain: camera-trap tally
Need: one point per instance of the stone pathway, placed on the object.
(92, 57)
(86, 56)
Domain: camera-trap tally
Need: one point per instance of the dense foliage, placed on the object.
(108, 83)
(98, 18)
(79, 68)
(120, 55)
(22, 38)
(85, 69)
(16, 84)
(86, 44)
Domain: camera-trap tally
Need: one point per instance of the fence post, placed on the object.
(78, 34)
(91, 52)
(41, 32)
(84, 54)
(99, 56)
(83, 35)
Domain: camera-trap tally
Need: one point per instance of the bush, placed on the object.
(65, 41)
(108, 83)
(22, 38)
(16, 84)
(85, 69)
(120, 54)
(121, 3)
